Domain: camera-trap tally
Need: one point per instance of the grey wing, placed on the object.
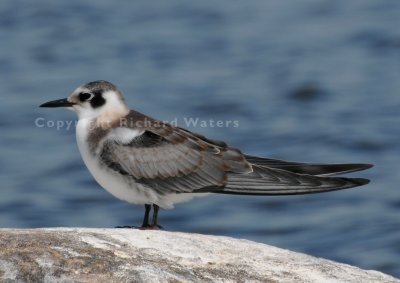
(315, 169)
(170, 160)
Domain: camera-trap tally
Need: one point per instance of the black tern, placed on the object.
(145, 161)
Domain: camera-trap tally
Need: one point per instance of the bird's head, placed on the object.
(92, 99)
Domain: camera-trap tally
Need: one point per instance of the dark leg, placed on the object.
(146, 216)
(154, 225)
(146, 225)
(155, 217)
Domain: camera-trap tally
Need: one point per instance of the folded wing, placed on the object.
(174, 160)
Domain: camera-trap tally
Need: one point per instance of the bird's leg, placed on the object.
(146, 216)
(155, 225)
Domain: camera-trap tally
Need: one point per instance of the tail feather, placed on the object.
(314, 169)
(271, 181)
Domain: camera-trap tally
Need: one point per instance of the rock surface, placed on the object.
(130, 255)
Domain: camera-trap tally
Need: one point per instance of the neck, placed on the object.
(109, 118)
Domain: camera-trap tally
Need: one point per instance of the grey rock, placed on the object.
(130, 255)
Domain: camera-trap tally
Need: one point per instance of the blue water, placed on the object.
(305, 80)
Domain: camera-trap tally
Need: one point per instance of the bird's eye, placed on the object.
(84, 96)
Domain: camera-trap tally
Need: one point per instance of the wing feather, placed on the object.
(315, 169)
(173, 160)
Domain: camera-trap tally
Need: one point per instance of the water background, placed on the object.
(308, 80)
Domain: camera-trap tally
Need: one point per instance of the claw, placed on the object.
(152, 227)
(127, 227)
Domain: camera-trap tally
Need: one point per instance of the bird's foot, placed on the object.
(152, 227)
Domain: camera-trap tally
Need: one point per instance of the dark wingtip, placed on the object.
(360, 181)
(367, 166)
(359, 166)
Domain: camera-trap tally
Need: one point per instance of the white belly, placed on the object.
(122, 187)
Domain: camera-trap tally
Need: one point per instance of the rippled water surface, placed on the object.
(308, 81)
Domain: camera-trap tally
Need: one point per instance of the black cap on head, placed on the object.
(100, 85)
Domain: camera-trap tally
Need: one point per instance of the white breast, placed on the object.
(116, 184)
(121, 186)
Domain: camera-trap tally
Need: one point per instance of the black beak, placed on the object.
(58, 103)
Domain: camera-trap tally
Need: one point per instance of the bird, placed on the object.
(146, 161)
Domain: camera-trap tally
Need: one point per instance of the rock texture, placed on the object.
(130, 255)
